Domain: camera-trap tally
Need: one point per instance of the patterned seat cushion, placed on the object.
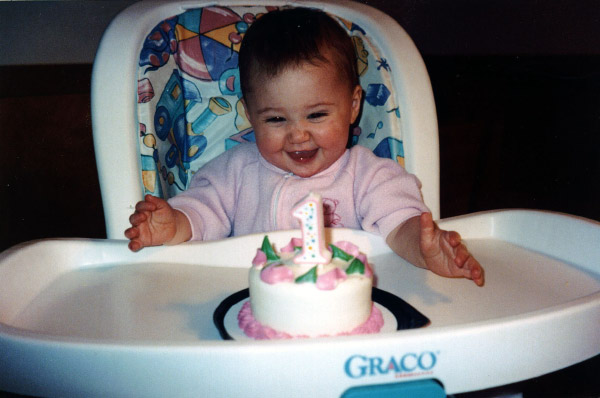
(189, 108)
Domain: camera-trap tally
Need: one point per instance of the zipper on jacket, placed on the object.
(276, 201)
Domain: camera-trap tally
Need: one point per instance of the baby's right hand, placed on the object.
(153, 223)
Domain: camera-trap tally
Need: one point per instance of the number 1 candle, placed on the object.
(310, 213)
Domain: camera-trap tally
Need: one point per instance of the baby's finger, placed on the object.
(475, 271)
(137, 218)
(156, 202)
(132, 233)
(145, 206)
(453, 238)
(135, 245)
(462, 254)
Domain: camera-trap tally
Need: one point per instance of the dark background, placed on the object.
(517, 90)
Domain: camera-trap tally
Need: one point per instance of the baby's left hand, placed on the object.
(445, 254)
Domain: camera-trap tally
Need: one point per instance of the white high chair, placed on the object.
(83, 317)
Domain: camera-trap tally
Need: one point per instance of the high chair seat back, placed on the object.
(166, 96)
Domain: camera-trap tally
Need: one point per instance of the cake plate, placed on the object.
(83, 317)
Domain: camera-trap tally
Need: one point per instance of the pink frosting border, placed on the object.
(254, 329)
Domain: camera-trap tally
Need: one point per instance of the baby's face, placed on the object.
(301, 117)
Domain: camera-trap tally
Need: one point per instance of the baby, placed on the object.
(301, 92)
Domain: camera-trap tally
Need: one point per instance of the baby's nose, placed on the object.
(298, 133)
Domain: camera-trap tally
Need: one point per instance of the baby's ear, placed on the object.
(243, 100)
(356, 102)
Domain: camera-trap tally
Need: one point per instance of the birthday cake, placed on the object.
(309, 290)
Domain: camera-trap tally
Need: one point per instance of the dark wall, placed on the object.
(498, 27)
(49, 181)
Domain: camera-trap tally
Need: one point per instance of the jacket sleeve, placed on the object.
(210, 201)
(386, 195)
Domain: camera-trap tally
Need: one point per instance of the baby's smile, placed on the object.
(303, 156)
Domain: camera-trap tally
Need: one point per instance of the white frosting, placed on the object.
(303, 308)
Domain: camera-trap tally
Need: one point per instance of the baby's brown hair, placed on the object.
(287, 38)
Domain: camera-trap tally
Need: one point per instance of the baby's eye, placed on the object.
(275, 119)
(317, 115)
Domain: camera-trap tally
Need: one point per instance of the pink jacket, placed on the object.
(239, 193)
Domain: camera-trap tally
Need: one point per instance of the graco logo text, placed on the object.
(408, 364)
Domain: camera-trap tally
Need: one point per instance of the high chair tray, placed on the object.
(89, 318)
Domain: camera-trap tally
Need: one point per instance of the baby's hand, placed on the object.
(445, 254)
(153, 223)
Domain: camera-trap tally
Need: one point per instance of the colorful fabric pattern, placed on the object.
(189, 108)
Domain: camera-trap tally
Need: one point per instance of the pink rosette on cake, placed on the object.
(291, 247)
(330, 280)
(276, 274)
(260, 259)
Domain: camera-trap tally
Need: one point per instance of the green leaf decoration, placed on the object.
(339, 253)
(356, 267)
(310, 276)
(267, 248)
